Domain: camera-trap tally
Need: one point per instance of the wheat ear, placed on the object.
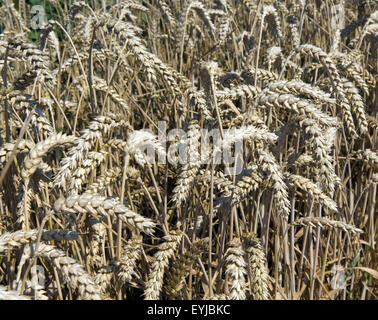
(257, 266)
(18, 238)
(325, 222)
(182, 265)
(72, 272)
(236, 269)
(165, 252)
(96, 204)
(131, 254)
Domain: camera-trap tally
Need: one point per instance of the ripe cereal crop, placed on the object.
(188, 150)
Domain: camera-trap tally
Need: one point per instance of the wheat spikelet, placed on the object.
(353, 70)
(245, 186)
(97, 238)
(312, 189)
(68, 64)
(373, 123)
(236, 269)
(73, 11)
(263, 75)
(250, 180)
(320, 56)
(321, 143)
(72, 271)
(328, 64)
(128, 32)
(36, 61)
(336, 39)
(108, 178)
(165, 252)
(79, 176)
(325, 222)
(236, 92)
(368, 156)
(223, 28)
(24, 146)
(140, 140)
(297, 105)
(293, 31)
(167, 13)
(197, 98)
(76, 154)
(34, 158)
(25, 196)
(31, 163)
(302, 160)
(220, 180)
(356, 103)
(130, 5)
(251, 5)
(369, 30)
(300, 88)
(250, 132)
(103, 206)
(274, 56)
(103, 278)
(198, 7)
(131, 254)
(200, 10)
(40, 121)
(181, 266)
(19, 238)
(274, 22)
(258, 273)
(101, 85)
(269, 164)
(190, 169)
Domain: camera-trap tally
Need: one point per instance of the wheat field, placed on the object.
(87, 214)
